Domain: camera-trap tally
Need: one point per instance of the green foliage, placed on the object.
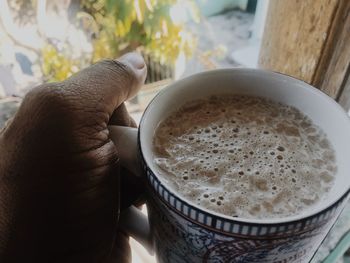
(56, 66)
(120, 26)
(125, 25)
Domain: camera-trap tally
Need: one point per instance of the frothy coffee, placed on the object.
(245, 156)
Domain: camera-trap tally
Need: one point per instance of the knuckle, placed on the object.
(52, 92)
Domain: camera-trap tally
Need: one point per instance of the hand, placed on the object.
(59, 175)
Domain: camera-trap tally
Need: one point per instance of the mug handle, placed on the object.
(132, 220)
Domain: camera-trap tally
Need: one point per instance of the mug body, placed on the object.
(189, 235)
(185, 232)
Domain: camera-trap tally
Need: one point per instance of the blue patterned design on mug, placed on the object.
(184, 241)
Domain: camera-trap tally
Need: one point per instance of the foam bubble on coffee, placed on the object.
(244, 156)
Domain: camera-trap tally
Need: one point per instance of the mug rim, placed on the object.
(270, 221)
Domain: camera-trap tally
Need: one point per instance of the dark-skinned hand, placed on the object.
(61, 188)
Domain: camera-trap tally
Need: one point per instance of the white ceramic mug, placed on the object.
(181, 231)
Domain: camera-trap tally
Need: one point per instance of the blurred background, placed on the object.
(45, 41)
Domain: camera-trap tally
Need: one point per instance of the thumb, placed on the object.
(104, 86)
(136, 64)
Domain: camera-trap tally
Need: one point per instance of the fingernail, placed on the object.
(133, 59)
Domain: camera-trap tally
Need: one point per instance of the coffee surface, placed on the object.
(244, 156)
